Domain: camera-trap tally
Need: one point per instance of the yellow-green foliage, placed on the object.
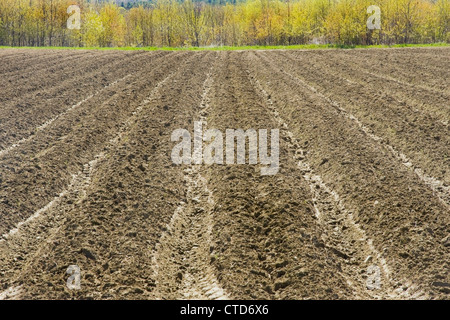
(189, 23)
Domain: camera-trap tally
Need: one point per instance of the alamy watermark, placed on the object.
(74, 21)
(208, 147)
(374, 21)
(74, 281)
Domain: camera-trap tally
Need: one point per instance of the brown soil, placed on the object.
(86, 176)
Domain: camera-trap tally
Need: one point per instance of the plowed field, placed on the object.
(87, 179)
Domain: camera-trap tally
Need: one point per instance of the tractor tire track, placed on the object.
(52, 216)
(345, 236)
(61, 246)
(183, 253)
(302, 109)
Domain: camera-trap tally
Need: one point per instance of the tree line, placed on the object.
(172, 23)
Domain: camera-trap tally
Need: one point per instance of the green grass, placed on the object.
(228, 48)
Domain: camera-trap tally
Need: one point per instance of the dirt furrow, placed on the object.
(429, 57)
(428, 72)
(62, 114)
(24, 114)
(27, 241)
(37, 171)
(199, 281)
(182, 257)
(345, 237)
(21, 75)
(439, 188)
(357, 208)
(267, 244)
(27, 85)
(405, 74)
(387, 199)
(414, 98)
(420, 137)
(85, 174)
(37, 115)
(21, 59)
(108, 233)
(48, 221)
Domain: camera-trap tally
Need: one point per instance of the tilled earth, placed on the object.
(359, 208)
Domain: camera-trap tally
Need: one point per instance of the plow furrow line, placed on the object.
(384, 77)
(441, 191)
(76, 190)
(81, 181)
(28, 65)
(339, 222)
(49, 122)
(78, 187)
(339, 74)
(389, 78)
(71, 108)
